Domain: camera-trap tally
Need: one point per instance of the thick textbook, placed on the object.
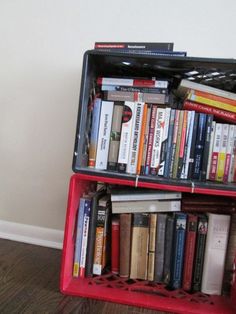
(215, 252)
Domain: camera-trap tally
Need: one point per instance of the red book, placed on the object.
(115, 245)
(219, 113)
(189, 252)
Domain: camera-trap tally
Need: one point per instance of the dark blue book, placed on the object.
(168, 248)
(178, 250)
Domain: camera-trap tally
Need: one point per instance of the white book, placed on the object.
(164, 142)
(229, 152)
(150, 206)
(222, 152)
(157, 139)
(215, 252)
(104, 134)
(135, 138)
(215, 151)
(126, 131)
(232, 161)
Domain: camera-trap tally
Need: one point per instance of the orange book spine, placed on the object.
(141, 145)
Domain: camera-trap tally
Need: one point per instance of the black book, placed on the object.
(168, 248)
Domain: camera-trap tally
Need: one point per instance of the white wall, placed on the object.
(41, 48)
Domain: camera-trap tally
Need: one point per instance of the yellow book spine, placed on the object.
(212, 103)
(220, 166)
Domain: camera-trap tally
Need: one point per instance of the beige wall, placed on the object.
(41, 48)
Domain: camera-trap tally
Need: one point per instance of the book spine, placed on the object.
(218, 113)
(169, 144)
(199, 147)
(229, 152)
(212, 97)
(78, 241)
(125, 244)
(174, 142)
(199, 254)
(135, 139)
(215, 151)
(117, 95)
(115, 245)
(115, 137)
(213, 127)
(192, 148)
(87, 211)
(135, 45)
(132, 82)
(182, 149)
(94, 132)
(206, 148)
(187, 146)
(168, 248)
(178, 143)
(178, 250)
(150, 139)
(104, 135)
(157, 139)
(126, 129)
(141, 140)
(232, 168)
(191, 235)
(222, 153)
(145, 141)
(106, 246)
(151, 246)
(164, 142)
(160, 244)
(134, 89)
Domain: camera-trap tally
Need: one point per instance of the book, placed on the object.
(209, 200)
(217, 112)
(139, 246)
(135, 45)
(115, 136)
(160, 245)
(151, 246)
(155, 90)
(154, 98)
(176, 270)
(125, 244)
(104, 135)
(79, 234)
(222, 153)
(215, 252)
(142, 140)
(148, 206)
(120, 194)
(193, 145)
(135, 82)
(179, 134)
(126, 129)
(199, 252)
(94, 132)
(101, 228)
(213, 127)
(191, 235)
(145, 141)
(229, 152)
(186, 85)
(168, 244)
(84, 243)
(164, 141)
(215, 151)
(167, 164)
(115, 245)
(182, 146)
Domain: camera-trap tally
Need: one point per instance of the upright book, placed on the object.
(125, 244)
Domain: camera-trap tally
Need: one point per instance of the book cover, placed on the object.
(135, 45)
(191, 235)
(151, 246)
(199, 252)
(79, 234)
(94, 132)
(215, 252)
(139, 246)
(86, 220)
(126, 129)
(169, 144)
(168, 248)
(115, 245)
(148, 206)
(215, 151)
(222, 153)
(115, 136)
(125, 244)
(164, 142)
(199, 146)
(160, 245)
(178, 250)
(104, 135)
(157, 139)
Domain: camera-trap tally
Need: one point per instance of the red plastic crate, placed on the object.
(141, 293)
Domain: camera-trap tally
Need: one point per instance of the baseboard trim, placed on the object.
(52, 238)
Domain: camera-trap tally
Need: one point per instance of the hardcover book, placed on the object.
(160, 245)
(125, 244)
(152, 246)
(168, 248)
(115, 245)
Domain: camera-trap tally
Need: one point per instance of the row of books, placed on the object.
(159, 246)
(149, 140)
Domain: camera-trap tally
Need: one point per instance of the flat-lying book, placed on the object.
(147, 206)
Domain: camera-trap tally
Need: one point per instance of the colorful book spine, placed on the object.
(115, 245)
(104, 135)
(126, 130)
(87, 211)
(169, 144)
(160, 246)
(145, 140)
(132, 82)
(157, 139)
(222, 153)
(191, 235)
(182, 146)
(215, 151)
(135, 139)
(178, 250)
(178, 143)
(115, 136)
(94, 132)
(79, 234)
(142, 138)
(151, 246)
(229, 152)
(174, 142)
(164, 142)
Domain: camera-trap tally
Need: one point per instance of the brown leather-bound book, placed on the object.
(125, 244)
(139, 246)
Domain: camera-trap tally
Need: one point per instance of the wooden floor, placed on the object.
(29, 283)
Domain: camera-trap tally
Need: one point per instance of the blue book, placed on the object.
(178, 250)
(169, 144)
(79, 233)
